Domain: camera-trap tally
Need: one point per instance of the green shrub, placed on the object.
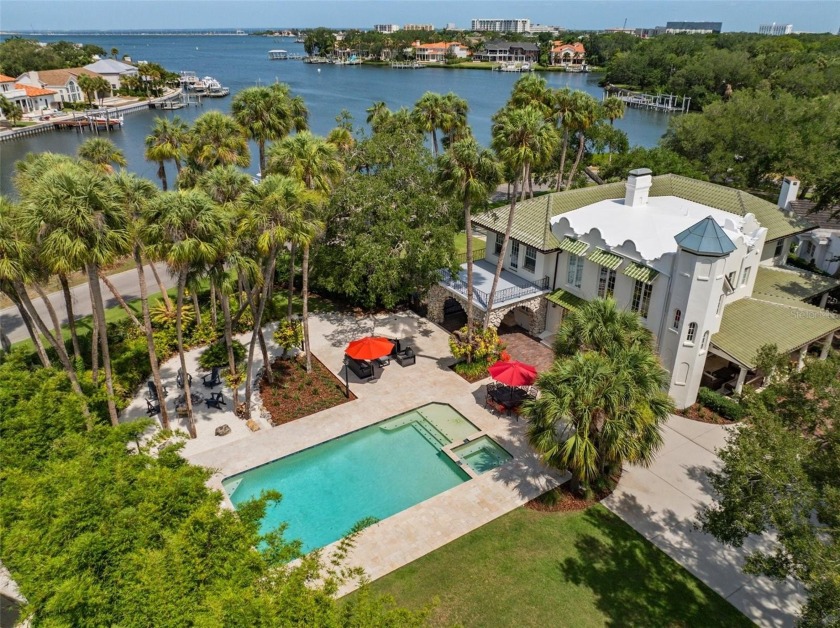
(289, 334)
(216, 354)
(724, 406)
(485, 346)
(473, 370)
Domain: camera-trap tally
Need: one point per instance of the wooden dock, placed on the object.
(406, 65)
(668, 103)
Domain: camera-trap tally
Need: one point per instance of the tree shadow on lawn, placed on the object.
(637, 584)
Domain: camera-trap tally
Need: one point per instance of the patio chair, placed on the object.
(153, 395)
(180, 378)
(215, 400)
(362, 369)
(215, 378)
(181, 412)
(406, 357)
(152, 407)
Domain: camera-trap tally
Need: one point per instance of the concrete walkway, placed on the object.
(662, 503)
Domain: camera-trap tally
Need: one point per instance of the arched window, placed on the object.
(692, 332)
(677, 317)
(705, 341)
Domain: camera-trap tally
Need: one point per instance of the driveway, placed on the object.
(662, 503)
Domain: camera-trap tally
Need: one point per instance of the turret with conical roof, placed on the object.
(705, 238)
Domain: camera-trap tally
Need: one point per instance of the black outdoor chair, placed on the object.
(361, 368)
(180, 379)
(406, 357)
(153, 391)
(215, 400)
(213, 379)
(153, 407)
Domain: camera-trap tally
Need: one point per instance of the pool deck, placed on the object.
(418, 530)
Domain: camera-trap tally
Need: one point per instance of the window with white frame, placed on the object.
(641, 298)
(606, 282)
(780, 246)
(731, 279)
(530, 258)
(500, 239)
(677, 318)
(745, 275)
(575, 271)
(705, 341)
(692, 332)
(514, 254)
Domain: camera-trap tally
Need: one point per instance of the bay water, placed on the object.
(242, 61)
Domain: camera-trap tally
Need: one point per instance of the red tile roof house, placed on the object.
(437, 52)
(64, 82)
(573, 54)
(28, 97)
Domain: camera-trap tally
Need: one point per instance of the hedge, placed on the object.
(726, 407)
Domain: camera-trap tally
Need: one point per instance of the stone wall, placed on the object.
(537, 307)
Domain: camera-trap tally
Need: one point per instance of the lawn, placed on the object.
(461, 244)
(531, 568)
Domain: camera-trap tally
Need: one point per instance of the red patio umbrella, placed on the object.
(513, 373)
(369, 348)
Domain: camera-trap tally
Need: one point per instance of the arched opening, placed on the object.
(454, 315)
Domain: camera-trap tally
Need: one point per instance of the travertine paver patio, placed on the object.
(662, 503)
(416, 531)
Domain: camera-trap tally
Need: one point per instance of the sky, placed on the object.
(736, 15)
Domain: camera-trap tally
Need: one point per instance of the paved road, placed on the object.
(125, 282)
(662, 502)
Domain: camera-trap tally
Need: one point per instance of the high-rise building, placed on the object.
(418, 27)
(386, 28)
(502, 26)
(775, 29)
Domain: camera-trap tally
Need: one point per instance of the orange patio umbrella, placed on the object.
(369, 348)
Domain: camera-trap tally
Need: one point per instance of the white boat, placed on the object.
(214, 89)
(188, 79)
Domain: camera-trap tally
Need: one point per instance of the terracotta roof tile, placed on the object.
(6, 79)
(34, 91)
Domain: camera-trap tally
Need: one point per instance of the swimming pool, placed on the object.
(377, 472)
(482, 454)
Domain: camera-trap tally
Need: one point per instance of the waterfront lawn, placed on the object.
(530, 568)
(461, 243)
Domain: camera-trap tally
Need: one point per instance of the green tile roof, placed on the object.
(790, 285)
(605, 258)
(576, 247)
(566, 299)
(640, 272)
(531, 220)
(749, 324)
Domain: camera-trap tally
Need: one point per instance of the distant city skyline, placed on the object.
(74, 15)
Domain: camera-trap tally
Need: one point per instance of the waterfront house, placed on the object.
(702, 264)
(28, 97)
(438, 52)
(64, 82)
(114, 71)
(567, 55)
(507, 51)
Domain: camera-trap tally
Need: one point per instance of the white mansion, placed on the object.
(702, 264)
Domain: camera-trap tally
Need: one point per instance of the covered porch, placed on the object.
(750, 324)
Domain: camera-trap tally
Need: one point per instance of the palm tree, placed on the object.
(562, 102)
(597, 411)
(603, 401)
(314, 162)
(268, 113)
(521, 137)
(133, 195)
(102, 153)
(216, 140)
(224, 184)
(267, 209)
(585, 113)
(531, 89)
(73, 211)
(468, 173)
(454, 124)
(613, 109)
(376, 113)
(166, 143)
(188, 230)
(430, 113)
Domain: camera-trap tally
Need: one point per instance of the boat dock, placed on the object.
(282, 55)
(406, 65)
(669, 103)
(512, 67)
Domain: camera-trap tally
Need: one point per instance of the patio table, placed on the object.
(194, 397)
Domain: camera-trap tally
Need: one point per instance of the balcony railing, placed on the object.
(505, 295)
(478, 253)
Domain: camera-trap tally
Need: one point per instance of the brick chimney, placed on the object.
(637, 188)
(790, 189)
